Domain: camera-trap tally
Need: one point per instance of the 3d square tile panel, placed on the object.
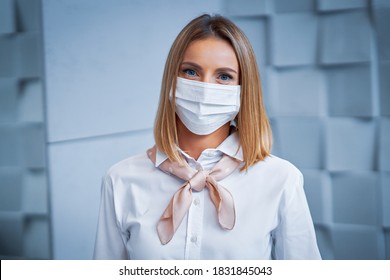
(384, 87)
(246, 7)
(8, 100)
(380, 3)
(8, 56)
(349, 91)
(357, 242)
(381, 24)
(300, 141)
(10, 143)
(36, 239)
(345, 38)
(10, 189)
(35, 192)
(350, 144)
(356, 198)
(30, 57)
(334, 5)
(255, 30)
(30, 101)
(28, 13)
(385, 195)
(33, 145)
(11, 234)
(387, 241)
(7, 17)
(293, 39)
(298, 92)
(384, 148)
(288, 6)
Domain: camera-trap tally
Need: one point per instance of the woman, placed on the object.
(209, 189)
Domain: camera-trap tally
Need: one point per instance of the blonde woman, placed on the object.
(209, 188)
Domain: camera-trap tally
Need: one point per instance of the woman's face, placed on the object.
(210, 60)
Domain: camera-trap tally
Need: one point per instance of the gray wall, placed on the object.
(24, 206)
(323, 64)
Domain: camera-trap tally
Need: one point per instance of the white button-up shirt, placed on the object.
(272, 216)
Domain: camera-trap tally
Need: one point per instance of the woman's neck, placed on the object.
(194, 144)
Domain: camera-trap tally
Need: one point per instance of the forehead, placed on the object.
(211, 50)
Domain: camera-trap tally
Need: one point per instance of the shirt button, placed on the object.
(197, 201)
(194, 239)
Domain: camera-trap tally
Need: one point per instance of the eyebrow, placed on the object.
(193, 64)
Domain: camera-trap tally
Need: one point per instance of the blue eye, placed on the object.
(189, 72)
(225, 77)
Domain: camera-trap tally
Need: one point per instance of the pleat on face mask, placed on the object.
(205, 107)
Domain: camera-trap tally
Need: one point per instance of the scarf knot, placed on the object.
(197, 181)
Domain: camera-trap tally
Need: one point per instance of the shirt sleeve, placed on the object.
(294, 237)
(109, 242)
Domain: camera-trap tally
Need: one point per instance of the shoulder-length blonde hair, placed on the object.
(252, 123)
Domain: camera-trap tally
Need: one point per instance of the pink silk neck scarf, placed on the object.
(197, 181)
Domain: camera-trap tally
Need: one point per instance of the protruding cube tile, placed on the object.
(356, 198)
(255, 29)
(246, 7)
(11, 234)
(7, 17)
(8, 100)
(288, 6)
(73, 223)
(33, 145)
(36, 238)
(300, 141)
(380, 3)
(384, 148)
(318, 194)
(29, 63)
(79, 79)
(382, 30)
(387, 238)
(31, 100)
(350, 144)
(385, 187)
(345, 38)
(349, 91)
(357, 242)
(332, 5)
(28, 15)
(10, 145)
(10, 189)
(35, 193)
(298, 92)
(294, 39)
(8, 55)
(384, 88)
(324, 241)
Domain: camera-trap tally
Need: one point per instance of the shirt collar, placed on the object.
(230, 146)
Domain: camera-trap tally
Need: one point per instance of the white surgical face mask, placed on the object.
(205, 107)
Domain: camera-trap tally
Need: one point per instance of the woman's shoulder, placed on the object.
(280, 167)
(278, 162)
(136, 164)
